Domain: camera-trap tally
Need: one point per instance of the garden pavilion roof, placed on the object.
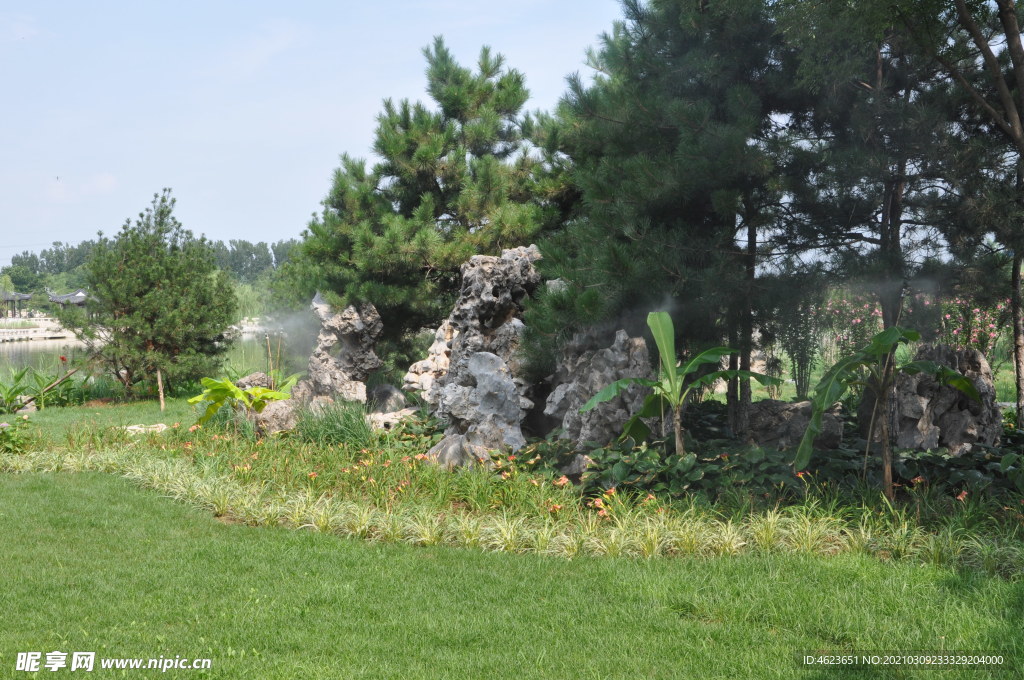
(77, 298)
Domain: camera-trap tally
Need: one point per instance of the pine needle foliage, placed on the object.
(156, 301)
(453, 180)
(669, 160)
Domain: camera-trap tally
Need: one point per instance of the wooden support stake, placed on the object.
(160, 387)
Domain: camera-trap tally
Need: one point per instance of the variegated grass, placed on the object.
(477, 508)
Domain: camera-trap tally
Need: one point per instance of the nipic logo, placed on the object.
(33, 662)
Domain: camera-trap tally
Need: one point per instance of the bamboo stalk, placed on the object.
(270, 362)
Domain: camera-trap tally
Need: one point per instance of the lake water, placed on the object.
(246, 355)
(43, 355)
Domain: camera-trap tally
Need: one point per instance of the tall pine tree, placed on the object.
(867, 160)
(670, 146)
(454, 180)
(978, 45)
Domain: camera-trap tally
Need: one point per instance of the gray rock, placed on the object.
(385, 399)
(276, 416)
(424, 374)
(929, 415)
(472, 374)
(781, 424)
(257, 379)
(583, 372)
(387, 421)
(26, 405)
(556, 286)
(484, 318)
(484, 405)
(344, 356)
(577, 466)
(454, 451)
(317, 405)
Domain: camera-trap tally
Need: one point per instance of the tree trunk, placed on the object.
(1018, 334)
(882, 421)
(732, 387)
(677, 427)
(747, 333)
(160, 388)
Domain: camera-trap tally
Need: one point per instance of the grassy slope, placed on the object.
(94, 564)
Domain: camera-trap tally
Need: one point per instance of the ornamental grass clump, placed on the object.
(342, 422)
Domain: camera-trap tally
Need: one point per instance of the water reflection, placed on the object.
(246, 355)
(43, 355)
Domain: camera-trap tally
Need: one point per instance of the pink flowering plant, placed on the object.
(966, 324)
(851, 319)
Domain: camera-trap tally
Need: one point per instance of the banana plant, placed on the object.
(39, 387)
(221, 392)
(11, 391)
(674, 382)
(873, 368)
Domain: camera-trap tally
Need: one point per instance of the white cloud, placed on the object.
(14, 29)
(70, 190)
(248, 55)
(98, 184)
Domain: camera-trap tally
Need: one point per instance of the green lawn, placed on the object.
(92, 563)
(58, 422)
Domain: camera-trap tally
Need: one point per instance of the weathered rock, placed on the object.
(781, 424)
(145, 429)
(26, 405)
(386, 421)
(344, 356)
(577, 466)
(556, 286)
(317, 405)
(583, 372)
(484, 404)
(257, 379)
(484, 318)
(455, 451)
(472, 374)
(931, 415)
(385, 399)
(276, 416)
(493, 289)
(423, 374)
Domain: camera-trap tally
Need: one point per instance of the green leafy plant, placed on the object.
(11, 390)
(12, 435)
(982, 469)
(627, 465)
(674, 383)
(874, 368)
(39, 388)
(219, 393)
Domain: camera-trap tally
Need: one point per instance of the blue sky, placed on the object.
(241, 108)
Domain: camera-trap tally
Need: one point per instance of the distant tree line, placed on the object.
(62, 267)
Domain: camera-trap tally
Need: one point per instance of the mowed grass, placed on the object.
(58, 422)
(93, 563)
